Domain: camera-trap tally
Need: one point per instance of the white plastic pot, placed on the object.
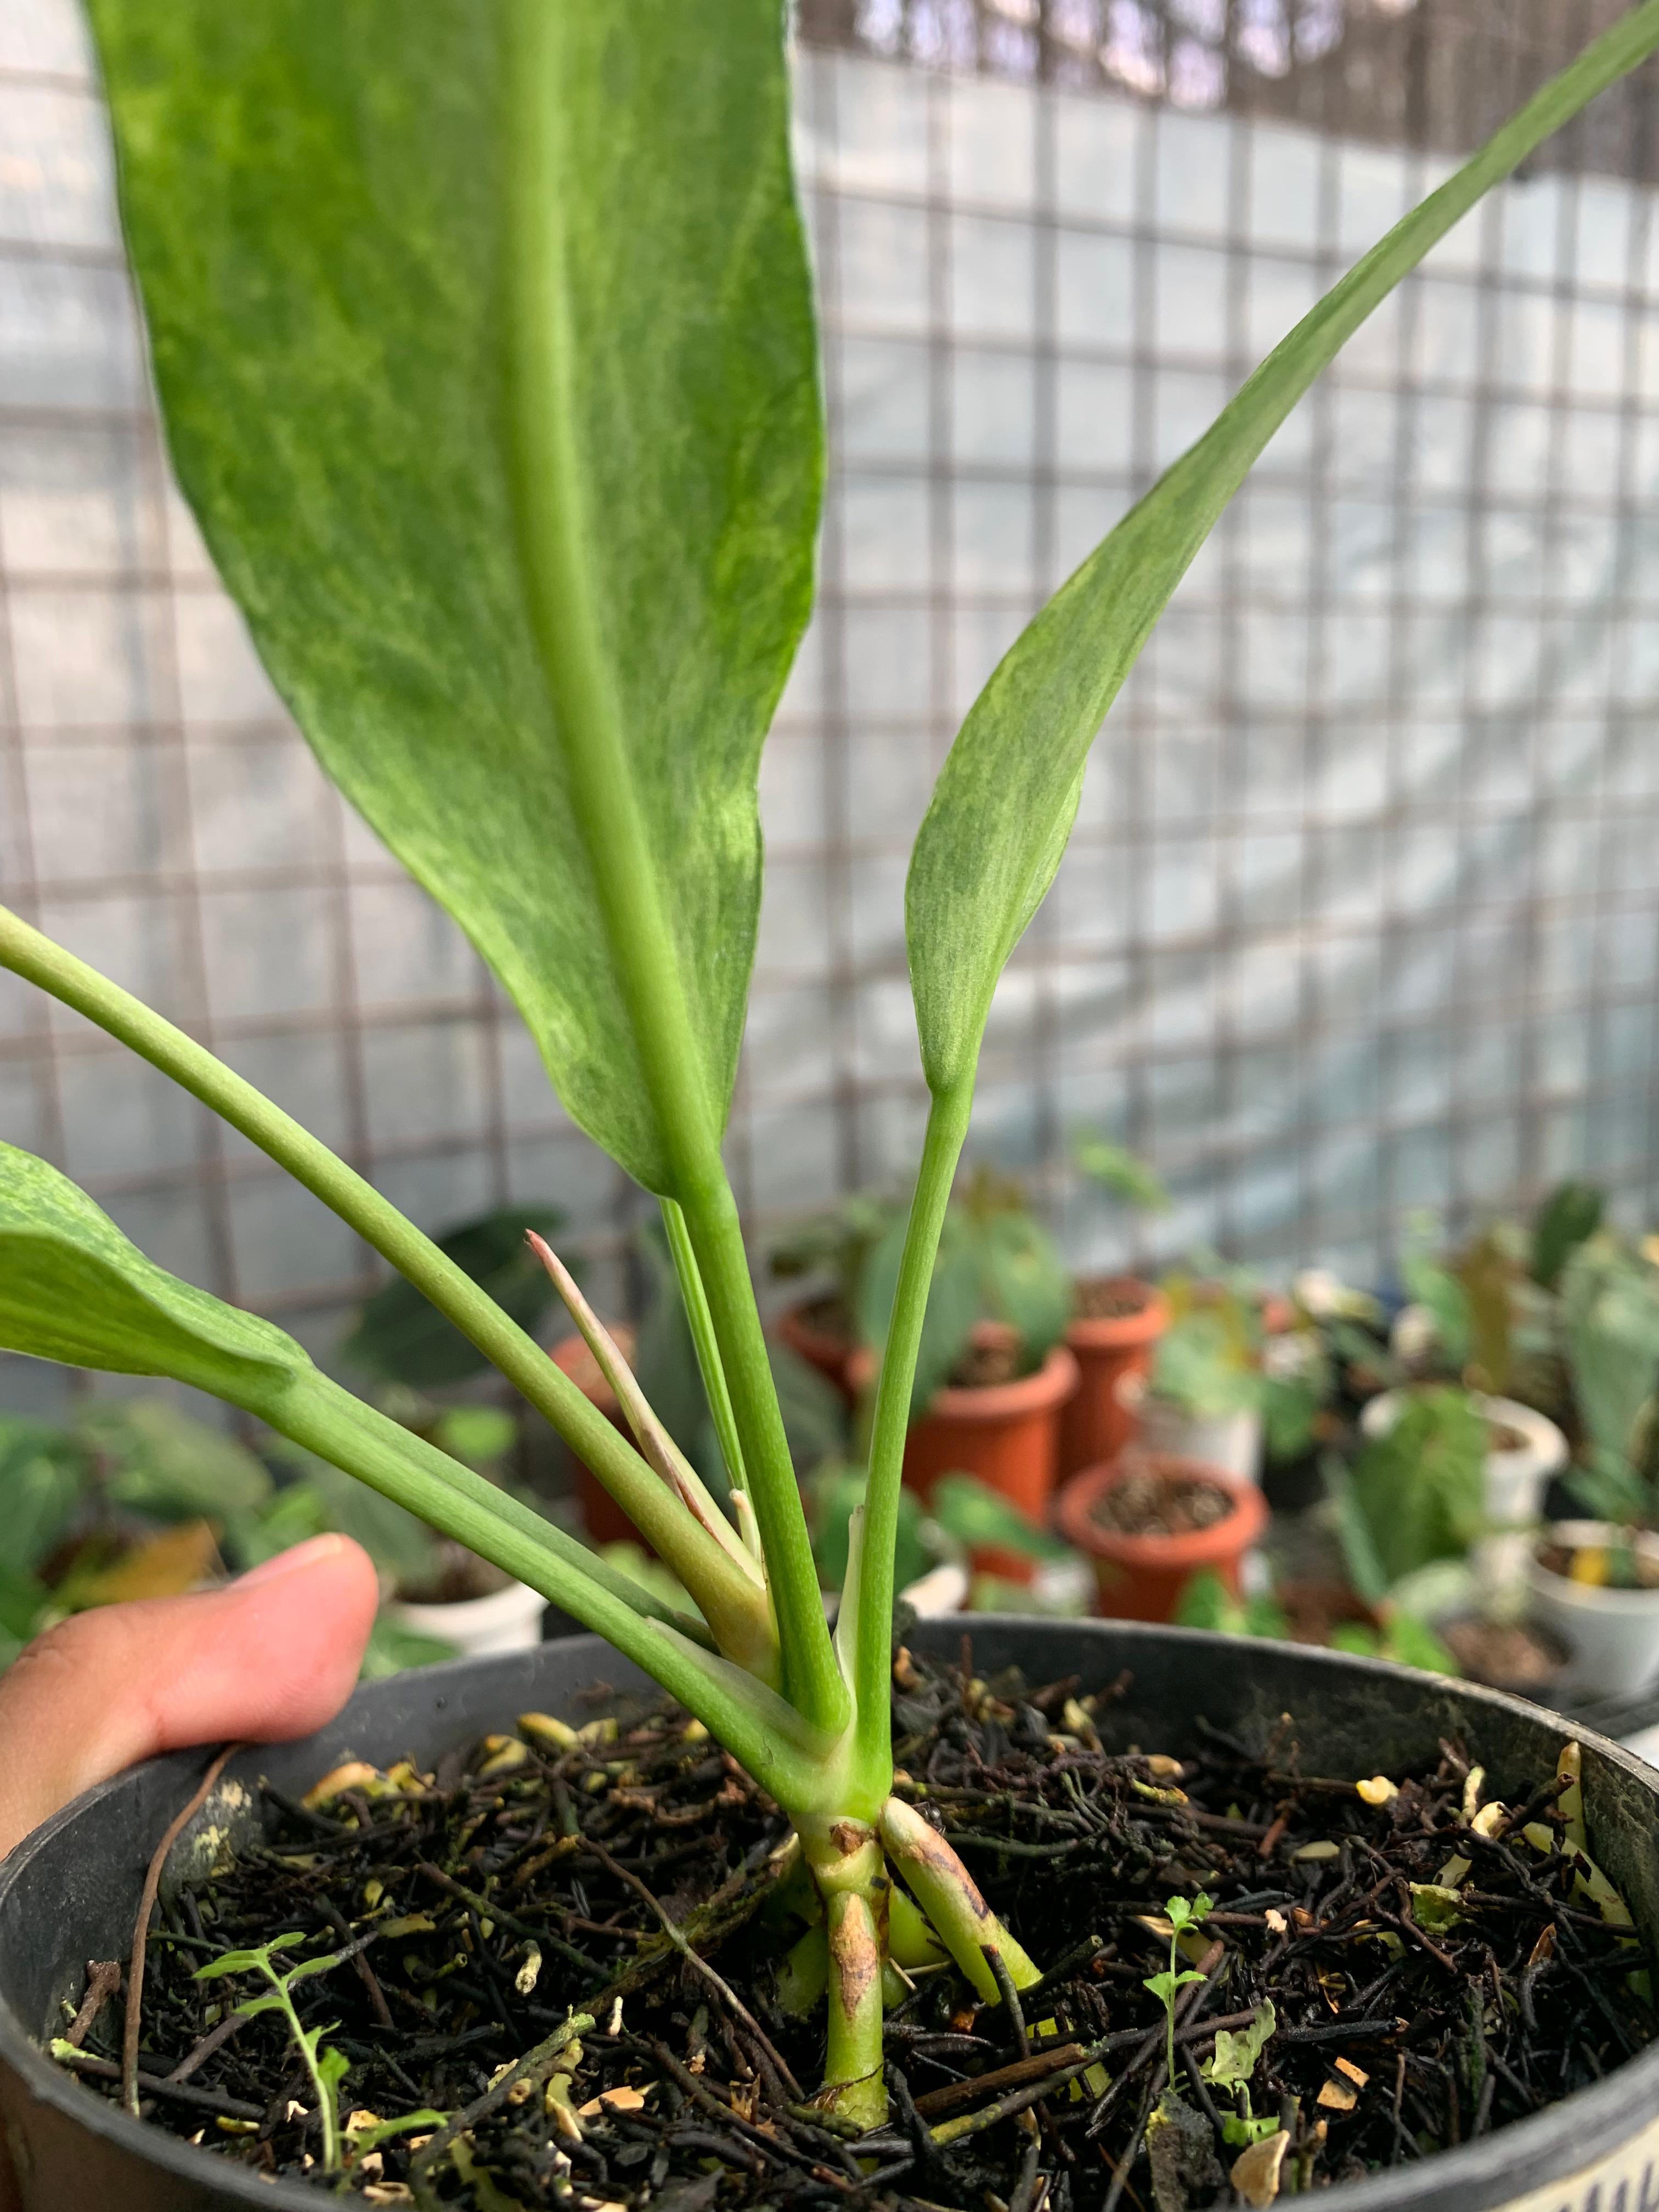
(1514, 1479)
(1231, 1441)
(1612, 1634)
(942, 1589)
(508, 1620)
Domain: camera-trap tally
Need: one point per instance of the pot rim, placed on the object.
(514, 1598)
(1237, 1532)
(1120, 1332)
(1544, 1453)
(1527, 2155)
(1618, 1604)
(1043, 1392)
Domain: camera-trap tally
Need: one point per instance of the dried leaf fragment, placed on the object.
(1255, 2172)
(1338, 2096)
(623, 2098)
(1313, 1852)
(355, 1774)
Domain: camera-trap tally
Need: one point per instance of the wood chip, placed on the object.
(1255, 2172)
(1338, 2096)
(1276, 1920)
(1357, 2075)
(620, 2099)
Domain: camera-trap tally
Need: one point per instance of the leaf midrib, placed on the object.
(560, 562)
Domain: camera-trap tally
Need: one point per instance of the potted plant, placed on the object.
(1116, 1322)
(1524, 1451)
(1596, 1582)
(1203, 1398)
(1149, 1522)
(488, 361)
(135, 1498)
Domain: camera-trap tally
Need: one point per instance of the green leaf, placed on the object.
(1610, 1302)
(1164, 1986)
(1123, 1173)
(73, 1289)
(1028, 1284)
(392, 1649)
(979, 1516)
(1435, 1288)
(1236, 2050)
(1004, 802)
(488, 360)
(401, 1337)
(1571, 1212)
(43, 1473)
(249, 1962)
(1421, 1489)
(954, 1301)
(172, 1467)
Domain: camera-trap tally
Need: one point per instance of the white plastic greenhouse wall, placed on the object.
(1360, 915)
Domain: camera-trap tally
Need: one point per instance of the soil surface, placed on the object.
(988, 1365)
(467, 1912)
(1112, 1298)
(459, 1575)
(1620, 1566)
(1152, 1504)
(1503, 1653)
(1501, 1438)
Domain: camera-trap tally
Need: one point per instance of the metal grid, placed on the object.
(1360, 915)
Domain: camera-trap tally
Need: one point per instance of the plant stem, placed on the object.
(947, 1127)
(852, 2082)
(753, 1723)
(554, 537)
(653, 1509)
(812, 1680)
(950, 1897)
(701, 1324)
(327, 2111)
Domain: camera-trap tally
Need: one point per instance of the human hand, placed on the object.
(273, 1655)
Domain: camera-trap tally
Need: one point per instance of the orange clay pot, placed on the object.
(801, 1328)
(603, 1518)
(1096, 1423)
(1141, 1577)
(1006, 1435)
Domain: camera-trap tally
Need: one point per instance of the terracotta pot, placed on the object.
(1005, 1436)
(802, 1327)
(1142, 1577)
(1096, 1423)
(603, 1518)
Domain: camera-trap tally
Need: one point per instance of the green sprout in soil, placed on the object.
(1181, 1913)
(489, 367)
(327, 2067)
(1230, 2067)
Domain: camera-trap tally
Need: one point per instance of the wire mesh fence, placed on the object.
(1360, 915)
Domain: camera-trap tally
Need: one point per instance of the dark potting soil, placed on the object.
(469, 1911)
(1506, 1654)
(988, 1365)
(459, 1575)
(1112, 1298)
(1149, 1504)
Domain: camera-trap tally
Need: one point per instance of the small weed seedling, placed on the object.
(489, 368)
(327, 2067)
(1181, 1914)
(1230, 2067)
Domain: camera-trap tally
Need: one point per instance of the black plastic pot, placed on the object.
(69, 1891)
